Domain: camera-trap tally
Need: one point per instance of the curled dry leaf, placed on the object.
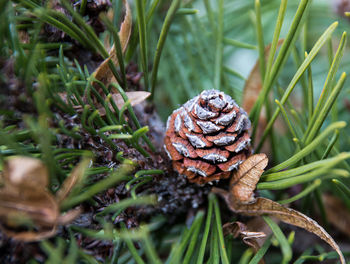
(26, 202)
(37, 208)
(31, 236)
(263, 206)
(25, 171)
(69, 216)
(258, 223)
(238, 229)
(35, 205)
(103, 73)
(134, 98)
(243, 181)
(72, 180)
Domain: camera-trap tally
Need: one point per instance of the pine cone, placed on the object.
(207, 138)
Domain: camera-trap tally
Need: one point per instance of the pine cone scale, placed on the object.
(225, 118)
(184, 147)
(198, 140)
(239, 144)
(206, 168)
(202, 113)
(213, 154)
(222, 139)
(190, 123)
(233, 163)
(209, 127)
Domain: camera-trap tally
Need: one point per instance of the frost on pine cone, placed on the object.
(207, 138)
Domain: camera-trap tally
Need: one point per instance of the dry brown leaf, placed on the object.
(243, 181)
(258, 223)
(30, 236)
(262, 206)
(125, 28)
(252, 87)
(107, 39)
(337, 213)
(25, 171)
(103, 73)
(74, 178)
(238, 229)
(69, 216)
(35, 204)
(134, 98)
(25, 200)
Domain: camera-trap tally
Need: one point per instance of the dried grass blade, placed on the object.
(103, 73)
(74, 178)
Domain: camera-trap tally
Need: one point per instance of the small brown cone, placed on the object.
(207, 138)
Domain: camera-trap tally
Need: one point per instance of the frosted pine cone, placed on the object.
(207, 138)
